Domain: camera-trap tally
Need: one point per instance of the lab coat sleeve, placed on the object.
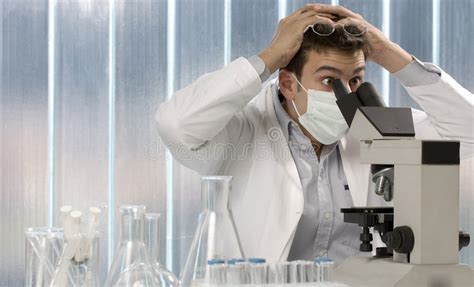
(449, 107)
(203, 123)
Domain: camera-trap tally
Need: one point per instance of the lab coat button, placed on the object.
(322, 253)
(327, 215)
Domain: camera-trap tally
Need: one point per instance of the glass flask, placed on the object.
(132, 265)
(152, 242)
(216, 236)
(43, 249)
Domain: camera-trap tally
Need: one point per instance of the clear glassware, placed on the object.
(237, 271)
(278, 272)
(217, 272)
(132, 265)
(326, 273)
(216, 236)
(152, 241)
(76, 272)
(79, 263)
(258, 271)
(43, 250)
(323, 269)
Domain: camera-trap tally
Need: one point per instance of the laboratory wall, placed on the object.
(81, 81)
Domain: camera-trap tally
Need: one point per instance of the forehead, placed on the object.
(346, 62)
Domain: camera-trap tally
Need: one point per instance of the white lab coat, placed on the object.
(228, 108)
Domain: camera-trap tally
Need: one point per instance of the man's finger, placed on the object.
(307, 14)
(311, 12)
(352, 21)
(339, 10)
(312, 20)
(329, 16)
(300, 11)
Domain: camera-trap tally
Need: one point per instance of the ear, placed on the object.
(288, 84)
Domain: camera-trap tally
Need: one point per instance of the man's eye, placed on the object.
(355, 81)
(327, 81)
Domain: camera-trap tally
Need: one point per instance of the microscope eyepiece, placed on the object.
(339, 89)
(369, 96)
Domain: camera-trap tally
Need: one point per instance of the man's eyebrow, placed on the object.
(328, 68)
(357, 70)
(338, 71)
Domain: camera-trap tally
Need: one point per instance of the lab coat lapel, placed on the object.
(291, 193)
(279, 143)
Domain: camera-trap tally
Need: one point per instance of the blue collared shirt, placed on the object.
(321, 230)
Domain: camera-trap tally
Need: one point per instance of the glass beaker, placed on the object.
(132, 265)
(152, 242)
(216, 236)
(84, 272)
(43, 249)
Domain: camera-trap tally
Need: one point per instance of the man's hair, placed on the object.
(338, 40)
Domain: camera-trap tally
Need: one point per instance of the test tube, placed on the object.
(324, 269)
(278, 273)
(307, 269)
(236, 273)
(301, 271)
(317, 272)
(293, 276)
(327, 271)
(217, 270)
(258, 271)
(245, 271)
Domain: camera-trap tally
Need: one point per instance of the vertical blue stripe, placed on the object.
(51, 108)
(171, 38)
(227, 31)
(386, 31)
(111, 140)
(436, 31)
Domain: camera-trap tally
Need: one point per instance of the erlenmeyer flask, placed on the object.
(216, 236)
(152, 241)
(132, 265)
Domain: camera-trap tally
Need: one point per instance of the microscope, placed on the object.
(419, 180)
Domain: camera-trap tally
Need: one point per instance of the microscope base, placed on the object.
(369, 271)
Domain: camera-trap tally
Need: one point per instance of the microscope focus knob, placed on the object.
(401, 239)
(464, 239)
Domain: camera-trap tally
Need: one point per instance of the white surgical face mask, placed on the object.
(323, 119)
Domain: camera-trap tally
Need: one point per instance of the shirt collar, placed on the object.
(282, 116)
(289, 126)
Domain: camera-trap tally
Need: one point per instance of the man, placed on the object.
(294, 164)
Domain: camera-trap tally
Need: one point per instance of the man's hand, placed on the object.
(382, 51)
(289, 36)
